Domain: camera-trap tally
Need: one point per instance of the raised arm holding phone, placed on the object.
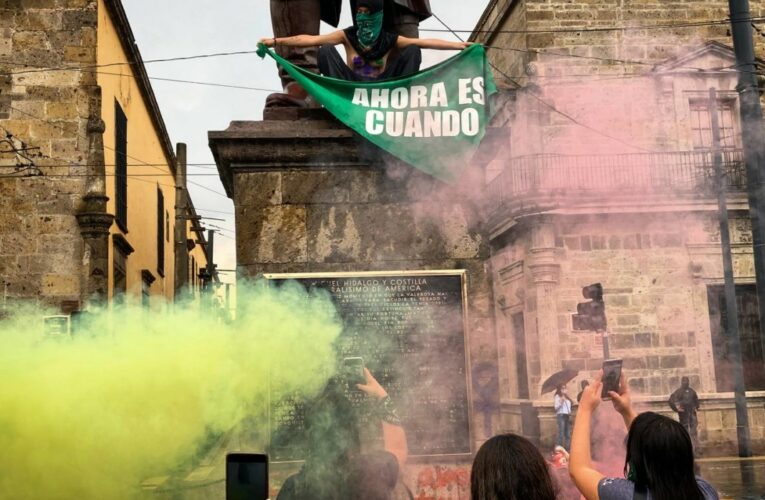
(394, 437)
(659, 454)
(337, 467)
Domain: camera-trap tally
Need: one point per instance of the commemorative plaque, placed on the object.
(409, 329)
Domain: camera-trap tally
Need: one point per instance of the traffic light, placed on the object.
(591, 315)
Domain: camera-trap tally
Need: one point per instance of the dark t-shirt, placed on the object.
(622, 489)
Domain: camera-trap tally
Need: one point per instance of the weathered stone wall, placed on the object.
(40, 241)
(309, 198)
(555, 21)
(655, 269)
(318, 216)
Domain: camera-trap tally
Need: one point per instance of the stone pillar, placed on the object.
(545, 272)
(181, 216)
(92, 216)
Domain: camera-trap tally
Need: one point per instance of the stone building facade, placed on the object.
(540, 30)
(606, 176)
(310, 197)
(65, 190)
(597, 169)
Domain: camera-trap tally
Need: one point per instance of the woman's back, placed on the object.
(624, 489)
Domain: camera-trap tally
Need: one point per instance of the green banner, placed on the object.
(434, 120)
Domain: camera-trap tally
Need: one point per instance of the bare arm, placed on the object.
(394, 441)
(335, 38)
(431, 43)
(394, 437)
(580, 466)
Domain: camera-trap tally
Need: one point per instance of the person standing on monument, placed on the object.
(295, 17)
(368, 47)
(685, 402)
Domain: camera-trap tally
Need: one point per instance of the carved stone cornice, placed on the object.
(545, 273)
(92, 217)
(320, 141)
(544, 266)
(122, 244)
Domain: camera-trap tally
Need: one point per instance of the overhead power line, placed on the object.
(131, 63)
(549, 105)
(201, 186)
(86, 69)
(37, 68)
(582, 29)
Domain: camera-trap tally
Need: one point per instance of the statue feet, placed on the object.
(294, 96)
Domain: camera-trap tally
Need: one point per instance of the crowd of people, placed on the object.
(659, 463)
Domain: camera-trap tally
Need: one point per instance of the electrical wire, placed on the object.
(493, 47)
(128, 156)
(447, 30)
(131, 63)
(131, 75)
(602, 59)
(584, 29)
(213, 211)
(547, 104)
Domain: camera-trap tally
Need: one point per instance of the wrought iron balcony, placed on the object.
(553, 179)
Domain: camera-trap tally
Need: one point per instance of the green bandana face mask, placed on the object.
(370, 27)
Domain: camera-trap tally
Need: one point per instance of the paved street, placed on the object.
(730, 475)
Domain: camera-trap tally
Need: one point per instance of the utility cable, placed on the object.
(447, 30)
(603, 59)
(583, 29)
(213, 211)
(128, 156)
(493, 47)
(131, 63)
(547, 104)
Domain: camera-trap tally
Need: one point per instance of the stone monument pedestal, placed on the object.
(313, 197)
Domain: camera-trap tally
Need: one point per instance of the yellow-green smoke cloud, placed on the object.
(135, 395)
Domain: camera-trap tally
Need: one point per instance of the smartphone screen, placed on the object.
(353, 371)
(246, 476)
(612, 373)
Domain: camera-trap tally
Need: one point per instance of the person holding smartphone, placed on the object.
(659, 463)
(336, 467)
(563, 405)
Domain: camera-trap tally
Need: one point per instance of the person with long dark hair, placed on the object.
(659, 463)
(509, 467)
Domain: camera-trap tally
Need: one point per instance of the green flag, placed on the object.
(434, 120)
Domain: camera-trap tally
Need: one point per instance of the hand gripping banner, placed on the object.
(434, 120)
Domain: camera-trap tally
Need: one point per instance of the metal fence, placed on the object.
(689, 172)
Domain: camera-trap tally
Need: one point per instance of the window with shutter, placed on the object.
(160, 232)
(120, 166)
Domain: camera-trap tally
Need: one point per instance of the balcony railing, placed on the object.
(559, 177)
